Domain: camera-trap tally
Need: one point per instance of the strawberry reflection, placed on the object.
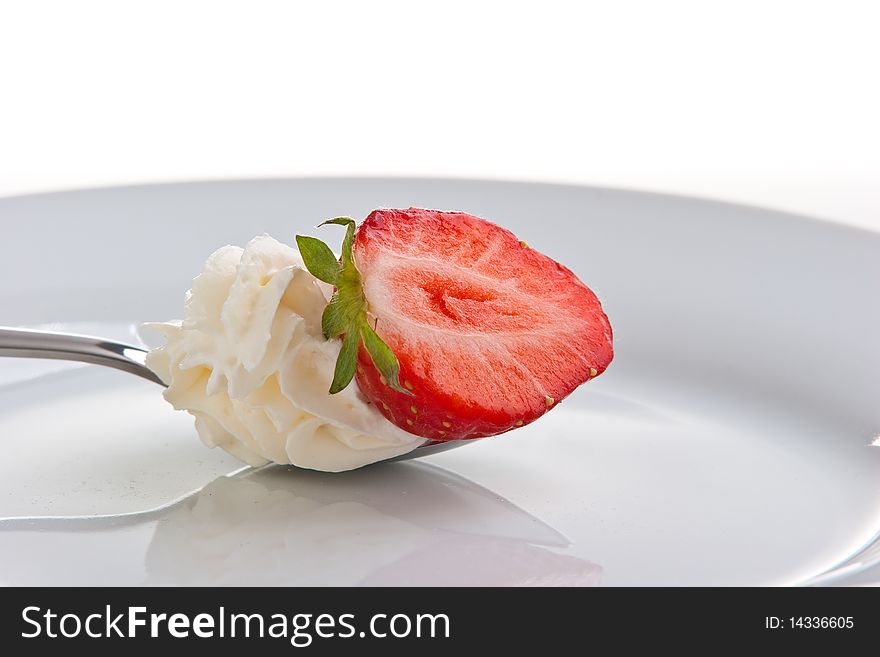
(390, 524)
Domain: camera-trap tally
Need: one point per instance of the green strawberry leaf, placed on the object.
(347, 242)
(334, 321)
(346, 363)
(318, 259)
(383, 358)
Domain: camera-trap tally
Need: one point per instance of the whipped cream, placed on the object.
(250, 363)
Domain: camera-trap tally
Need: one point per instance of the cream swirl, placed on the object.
(250, 363)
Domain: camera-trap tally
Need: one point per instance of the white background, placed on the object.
(770, 103)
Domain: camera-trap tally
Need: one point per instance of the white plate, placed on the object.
(729, 442)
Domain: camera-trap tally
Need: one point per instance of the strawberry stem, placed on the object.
(346, 313)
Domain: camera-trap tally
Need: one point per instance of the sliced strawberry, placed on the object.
(454, 328)
(489, 334)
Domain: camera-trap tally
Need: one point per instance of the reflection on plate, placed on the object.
(282, 526)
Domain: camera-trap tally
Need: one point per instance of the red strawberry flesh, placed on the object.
(489, 333)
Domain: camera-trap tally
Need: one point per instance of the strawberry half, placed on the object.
(453, 327)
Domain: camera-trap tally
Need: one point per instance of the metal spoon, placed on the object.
(26, 343)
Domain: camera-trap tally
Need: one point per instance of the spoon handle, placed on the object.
(26, 343)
